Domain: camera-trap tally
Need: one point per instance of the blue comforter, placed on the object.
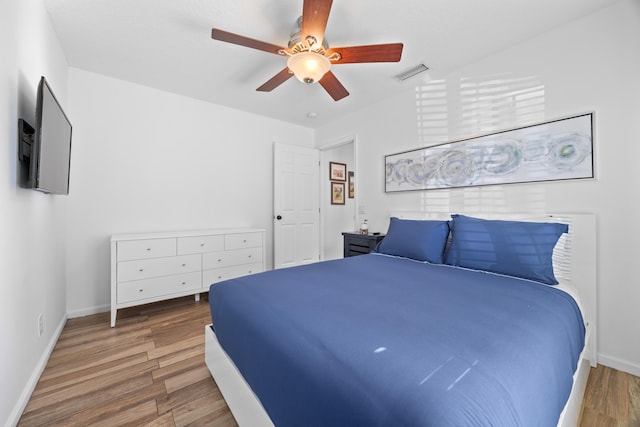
(375, 340)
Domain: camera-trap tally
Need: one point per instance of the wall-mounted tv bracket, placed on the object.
(25, 140)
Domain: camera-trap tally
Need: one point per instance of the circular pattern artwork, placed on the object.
(556, 150)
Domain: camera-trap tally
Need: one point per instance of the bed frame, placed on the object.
(580, 247)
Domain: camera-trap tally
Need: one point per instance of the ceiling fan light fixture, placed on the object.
(308, 67)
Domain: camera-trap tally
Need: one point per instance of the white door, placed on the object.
(296, 204)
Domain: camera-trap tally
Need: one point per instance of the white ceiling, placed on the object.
(166, 44)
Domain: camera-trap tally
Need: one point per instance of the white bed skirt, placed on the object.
(243, 403)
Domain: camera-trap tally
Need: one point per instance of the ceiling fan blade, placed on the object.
(315, 14)
(228, 37)
(390, 52)
(333, 86)
(276, 80)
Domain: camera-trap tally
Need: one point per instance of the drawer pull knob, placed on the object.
(244, 241)
(141, 270)
(184, 283)
(249, 271)
(249, 256)
(184, 265)
(219, 260)
(219, 277)
(201, 244)
(148, 249)
(140, 290)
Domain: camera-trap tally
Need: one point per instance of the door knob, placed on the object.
(279, 217)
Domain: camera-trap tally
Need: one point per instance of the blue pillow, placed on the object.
(514, 248)
(415, 239)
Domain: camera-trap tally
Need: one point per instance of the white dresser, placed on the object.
(149, 267)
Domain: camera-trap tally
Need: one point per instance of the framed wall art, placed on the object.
(337, 171)
(555, 150)
(351, 183)
(337, 193)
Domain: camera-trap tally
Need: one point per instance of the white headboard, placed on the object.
(574, 257)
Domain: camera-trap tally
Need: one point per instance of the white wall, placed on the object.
(148, 160)
(589, 65)
(32, 225)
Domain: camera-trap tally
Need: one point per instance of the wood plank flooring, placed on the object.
(612, 399)
(150, 371)
(147, 371)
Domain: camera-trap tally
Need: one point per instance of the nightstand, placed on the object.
(360, 244)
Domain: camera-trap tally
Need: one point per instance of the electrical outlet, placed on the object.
(40, 324)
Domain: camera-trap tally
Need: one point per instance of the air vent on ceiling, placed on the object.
(413, 71)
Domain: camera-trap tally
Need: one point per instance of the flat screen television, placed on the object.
(51, 149)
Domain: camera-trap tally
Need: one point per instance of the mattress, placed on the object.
(376, 340)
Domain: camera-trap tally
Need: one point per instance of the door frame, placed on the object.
(329, 145)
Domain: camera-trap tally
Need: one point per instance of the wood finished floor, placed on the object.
(150, 371)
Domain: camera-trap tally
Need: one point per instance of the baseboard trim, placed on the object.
(619, 364)
(15, 415)
(88, 311)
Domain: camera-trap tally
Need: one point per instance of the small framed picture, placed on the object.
(351, 184)
(337, 171)
(337, 193)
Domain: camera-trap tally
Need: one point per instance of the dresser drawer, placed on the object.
(219, 274)
(242, 240)
(199, 244)
(229, 258)
(160, 286)
(146, 268)
(145, 249)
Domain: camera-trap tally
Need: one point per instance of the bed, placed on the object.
(429, 330)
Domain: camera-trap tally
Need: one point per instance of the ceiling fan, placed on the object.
(309, 55)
